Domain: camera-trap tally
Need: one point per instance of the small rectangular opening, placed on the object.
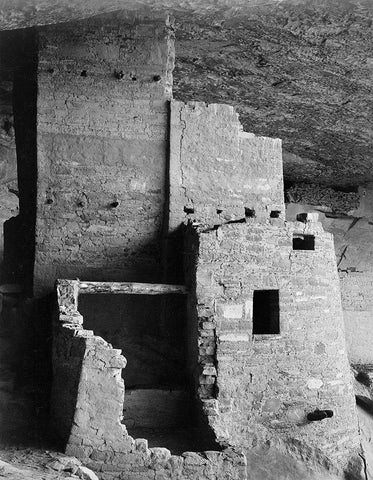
(266, 312)
(275, 214)
(303, 242)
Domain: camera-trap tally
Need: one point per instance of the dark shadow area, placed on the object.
(150, 334)
(25, 371)
(25, 324)
(19, 56)
(365, 403)
(177, 440)
(266, 312)
(173, 271)
(151, 331)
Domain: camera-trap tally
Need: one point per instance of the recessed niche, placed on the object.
(249, 212)
(119, 74)
(188, 210)
(303, 242)
(266, 312)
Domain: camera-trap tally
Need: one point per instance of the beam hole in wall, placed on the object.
(266, 312)
(188, 210)
(218, 211)
(249, 212)
(275, 213)
(119, 75)
(239, 220)
(83, 73)
(303, 242)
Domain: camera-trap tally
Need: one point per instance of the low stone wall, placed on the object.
(87, 406)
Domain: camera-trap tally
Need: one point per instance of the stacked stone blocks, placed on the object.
(261, 387)
(87, 406)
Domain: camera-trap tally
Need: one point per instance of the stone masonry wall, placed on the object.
(217, 170)
(353, 238)
(95, 433)
(102, 123)
(258, 389)
(357, 301)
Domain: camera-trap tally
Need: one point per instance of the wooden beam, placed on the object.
(131, 288)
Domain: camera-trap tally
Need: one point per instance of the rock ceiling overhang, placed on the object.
(298, 70)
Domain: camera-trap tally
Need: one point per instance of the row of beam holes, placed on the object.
(119, 75)
(249, 212)
(300, 241)
(81, 203)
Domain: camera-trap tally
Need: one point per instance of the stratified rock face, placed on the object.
(299, 73)
(297, 70)
(28, 13)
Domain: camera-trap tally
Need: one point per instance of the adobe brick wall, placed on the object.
(102, 122)
(259, 388)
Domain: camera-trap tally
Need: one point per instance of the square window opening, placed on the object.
(266, 312)
(303, 242)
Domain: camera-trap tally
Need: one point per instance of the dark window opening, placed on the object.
(249, 212)
(218, 211)
(275, 213)
(303, 242)
(266, 312)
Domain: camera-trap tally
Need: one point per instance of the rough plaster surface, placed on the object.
(102, 117)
